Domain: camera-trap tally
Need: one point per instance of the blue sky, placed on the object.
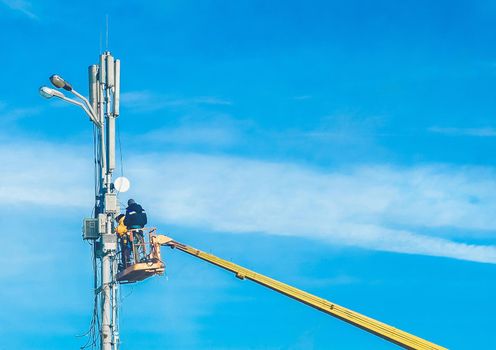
(344, 148)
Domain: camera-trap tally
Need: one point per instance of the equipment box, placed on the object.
(91, 228)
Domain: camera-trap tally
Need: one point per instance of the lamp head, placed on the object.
(46, 92)
(58, 82)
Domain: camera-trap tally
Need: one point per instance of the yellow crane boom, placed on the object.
(392, 334)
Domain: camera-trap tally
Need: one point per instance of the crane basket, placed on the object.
(140, 256)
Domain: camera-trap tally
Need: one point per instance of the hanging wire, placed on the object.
(93, 332)
(122, 297)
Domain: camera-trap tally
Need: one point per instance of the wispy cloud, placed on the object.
(302, 97)
(194, 135)
(209, 100)
(343, 127)
(217, 131)
(475, 132)
(14, 114)
(337, 280)
(360, 207)
(36, 172)
(23, 6)
(146, 101)
(404, 210)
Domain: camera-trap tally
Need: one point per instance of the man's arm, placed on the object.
(128, 220)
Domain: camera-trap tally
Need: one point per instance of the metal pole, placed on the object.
(106, 338)
(115, 308)
(109, 336)
(103, 109)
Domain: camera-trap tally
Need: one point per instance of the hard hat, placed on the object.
(130, 201)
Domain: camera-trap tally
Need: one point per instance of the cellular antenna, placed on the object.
(106, 32)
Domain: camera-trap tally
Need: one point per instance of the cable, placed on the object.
(92, 335)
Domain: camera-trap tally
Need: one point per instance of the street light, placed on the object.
(46, 92)
(58, 82)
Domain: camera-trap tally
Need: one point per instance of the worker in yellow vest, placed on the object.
(124, 241)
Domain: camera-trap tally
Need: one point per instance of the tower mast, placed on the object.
(104, 92)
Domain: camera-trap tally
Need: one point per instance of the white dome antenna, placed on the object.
(122, 184)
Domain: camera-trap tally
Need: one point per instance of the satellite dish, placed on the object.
(122, 184)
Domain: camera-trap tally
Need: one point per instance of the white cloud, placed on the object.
(360, 207)
(475, 132)
(209, 100)
(219, 131)
(302, 97)
(45, 175)
(345, 128)
(22, 6)
(14, 114)
(146, 101)
(340, 279)
(373, 207)
(194, 135)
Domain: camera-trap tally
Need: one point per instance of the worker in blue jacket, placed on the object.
(136, 219)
